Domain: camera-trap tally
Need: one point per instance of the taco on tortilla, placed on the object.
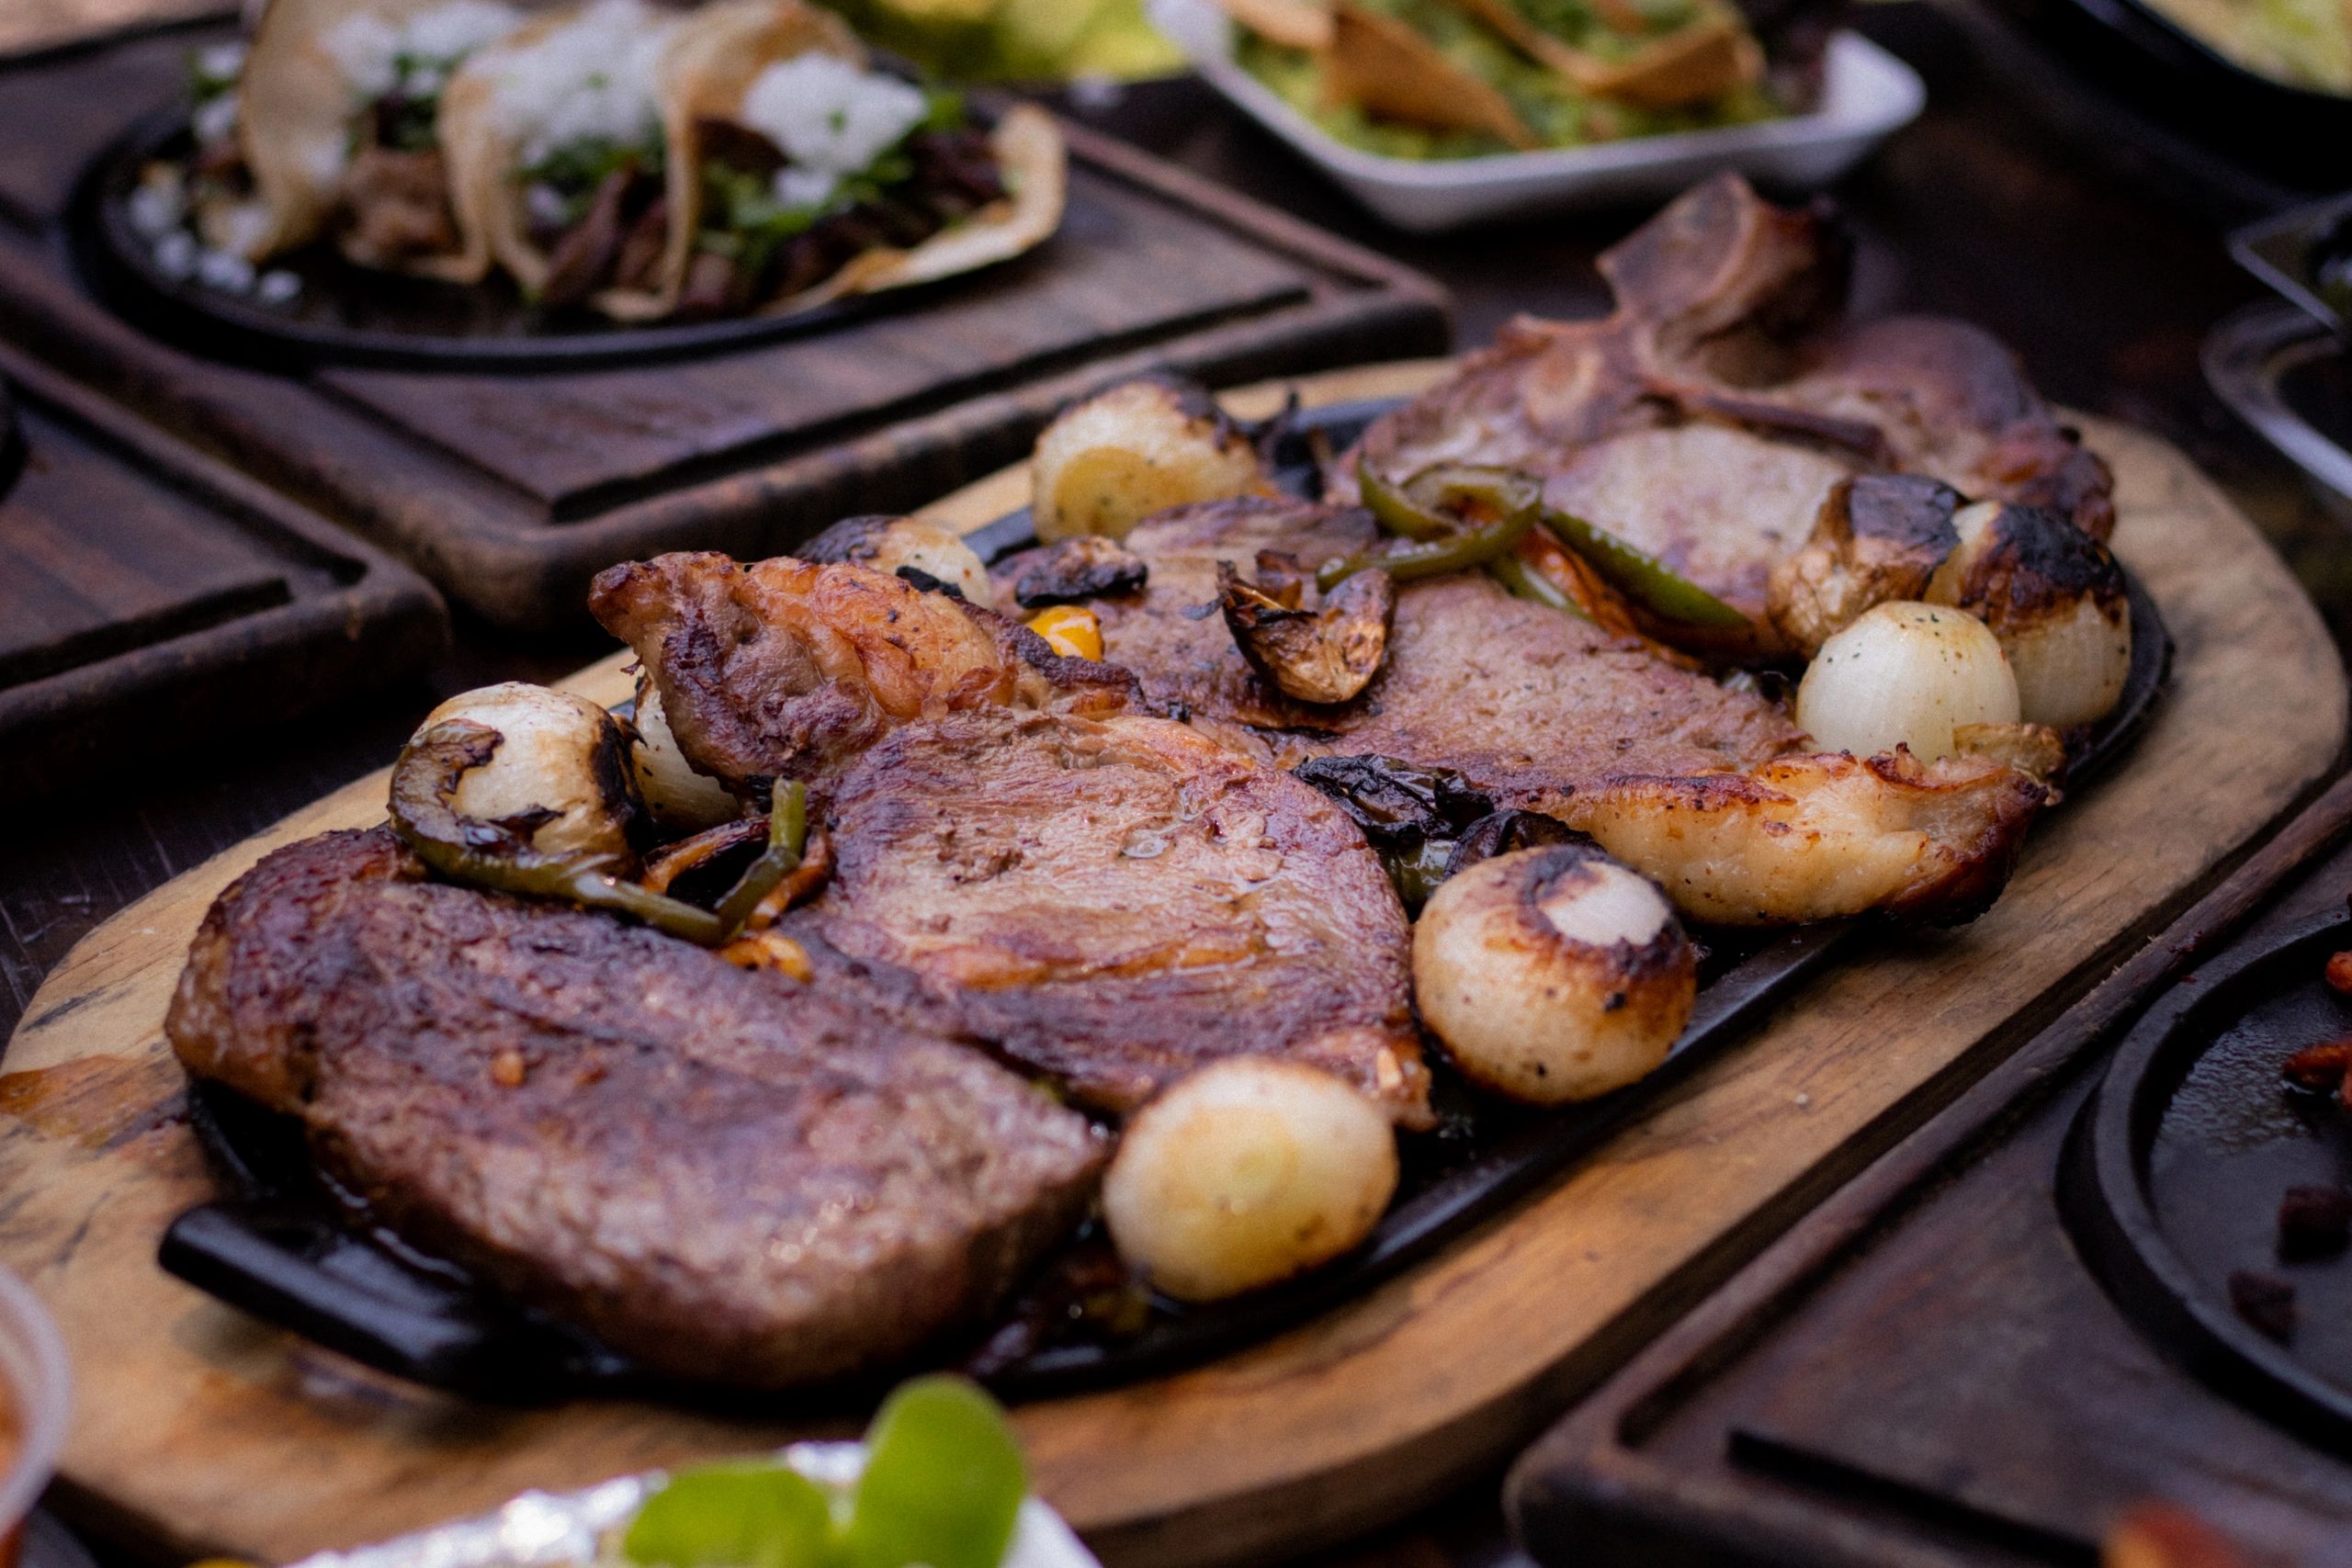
(332, 127)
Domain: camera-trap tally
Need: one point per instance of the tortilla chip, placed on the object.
(1691, 64)
(1294, 24)
(1387, 68)
(1028, 147)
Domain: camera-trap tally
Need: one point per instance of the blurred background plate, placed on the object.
(1867, 95)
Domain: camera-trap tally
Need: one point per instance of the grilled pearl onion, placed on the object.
(1245, 1173)
(1552, 973)
(676, 795)
(1107, 463)
(560, 760)
(2055, 598)
(1905, 674)
(923, 553)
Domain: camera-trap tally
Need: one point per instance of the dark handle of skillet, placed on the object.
(293, 1270)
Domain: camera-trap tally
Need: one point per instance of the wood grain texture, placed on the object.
(1895, 1334)
(154, 596)
(199, 1429)
(511, 490)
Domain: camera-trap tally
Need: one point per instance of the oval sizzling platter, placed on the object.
(345, 313)
(2175, 1171)
(286, 1246)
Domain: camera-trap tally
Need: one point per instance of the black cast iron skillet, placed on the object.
(282, 1244)
(348, 314)
(2175, 1169)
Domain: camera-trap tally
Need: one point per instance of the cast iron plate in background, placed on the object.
(282, 1244)
(2174, 1172)
(353, 315)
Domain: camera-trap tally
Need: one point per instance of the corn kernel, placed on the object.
(1070, 630)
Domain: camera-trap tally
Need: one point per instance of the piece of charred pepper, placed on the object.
(1641, 577)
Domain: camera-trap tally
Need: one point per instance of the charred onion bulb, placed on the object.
(1554, 974)
(558, 775)
(925, 554)
(2054, 597)
(1907, 674)
(674, 794)
(1245, 1173)
(1107, 463)
(519, 789)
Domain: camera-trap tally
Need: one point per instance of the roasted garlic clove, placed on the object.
(1877, 537)
(1552, 973)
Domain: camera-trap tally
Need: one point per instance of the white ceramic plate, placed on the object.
(1867, 95)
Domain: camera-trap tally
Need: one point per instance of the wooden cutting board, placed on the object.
(199, 1430)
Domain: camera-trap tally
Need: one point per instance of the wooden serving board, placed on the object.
(511, 488)
(1856, 1395)
(199, 1430)
(153, 595)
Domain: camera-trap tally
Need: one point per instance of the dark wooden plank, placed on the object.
(154, 596)
(102, 559)
(1126, 268)
(1923, 1373)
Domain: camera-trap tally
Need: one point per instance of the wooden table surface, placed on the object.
(2100, 281)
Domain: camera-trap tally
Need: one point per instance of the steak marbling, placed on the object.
(717, 1171)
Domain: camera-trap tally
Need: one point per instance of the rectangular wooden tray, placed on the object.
(1925, 1372)
(511, 490)
(153, 595)
(202, 1431)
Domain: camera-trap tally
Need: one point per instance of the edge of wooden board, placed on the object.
(199, 1430)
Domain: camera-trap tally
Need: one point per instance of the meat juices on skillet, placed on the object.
(1107, 898)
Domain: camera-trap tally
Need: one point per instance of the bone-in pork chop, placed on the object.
(1708, 415)
(1691, 781)
(1105, 897)
(1527, 702)
(717, 1171)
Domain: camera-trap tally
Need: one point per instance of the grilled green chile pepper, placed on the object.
(1641, 577)
(1525, 582)
(499, 855)
(788, 835)
(1412, 560)
(1436, 501)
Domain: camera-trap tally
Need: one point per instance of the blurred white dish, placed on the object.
(1867, 95)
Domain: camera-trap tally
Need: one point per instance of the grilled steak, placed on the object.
(1110, 900)
(1704, 420)
(715, 1170)
(1115, 902)
(1695, 784)
(786, 669)
(1525, 702)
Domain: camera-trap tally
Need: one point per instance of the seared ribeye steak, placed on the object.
(717, 1171)
(1707, 416)
(1527, 702)
(1105, 897)
(1115, 902)
(785, 669)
